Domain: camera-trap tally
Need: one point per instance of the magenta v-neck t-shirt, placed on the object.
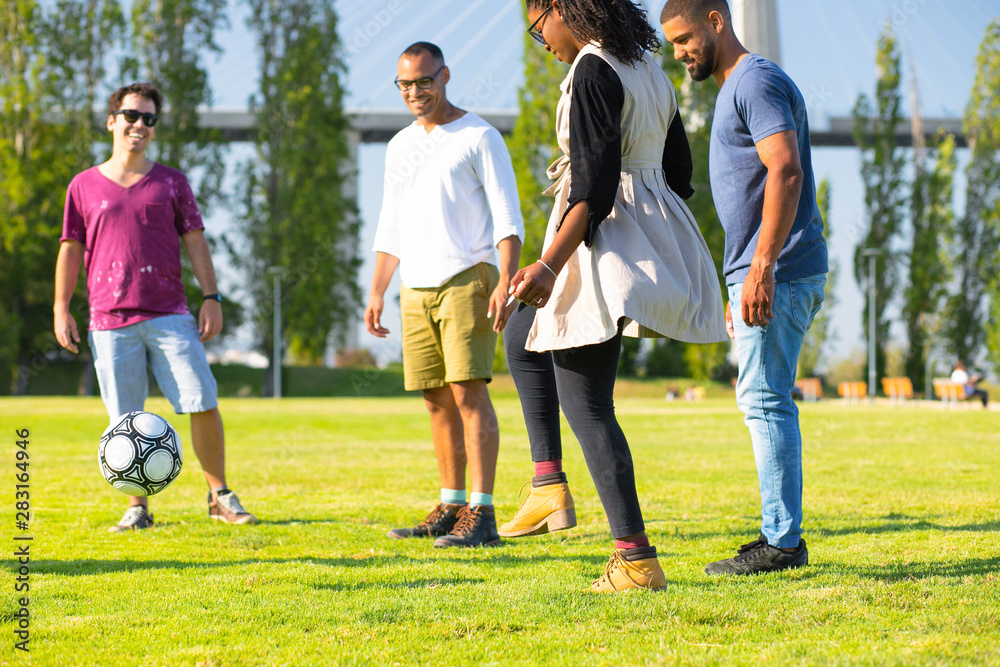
(131, 238)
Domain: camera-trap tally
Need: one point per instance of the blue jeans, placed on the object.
(768, 357)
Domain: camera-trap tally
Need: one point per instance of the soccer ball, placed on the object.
(140, 454)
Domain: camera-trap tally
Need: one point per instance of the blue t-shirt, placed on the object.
(757, 101)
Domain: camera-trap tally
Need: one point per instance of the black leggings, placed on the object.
(582, 381)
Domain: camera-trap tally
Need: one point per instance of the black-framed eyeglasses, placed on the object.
(537, 32)
(131, 115)
(423, 83)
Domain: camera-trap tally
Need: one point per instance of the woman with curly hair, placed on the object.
(623, 256)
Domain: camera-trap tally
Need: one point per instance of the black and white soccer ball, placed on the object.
(140, 454)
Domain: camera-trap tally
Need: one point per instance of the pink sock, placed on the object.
(548, 467)
(641, 541)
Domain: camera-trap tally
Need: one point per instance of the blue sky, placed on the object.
(828, 48)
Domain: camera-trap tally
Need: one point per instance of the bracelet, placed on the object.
(212, 297)
(548, 267)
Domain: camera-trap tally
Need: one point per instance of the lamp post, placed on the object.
(277, 272)
(872, 254)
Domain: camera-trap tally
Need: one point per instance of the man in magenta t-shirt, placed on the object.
(126, 219)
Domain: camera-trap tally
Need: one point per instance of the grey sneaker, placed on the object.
(759, 556)
(136, 517)
(226, 507)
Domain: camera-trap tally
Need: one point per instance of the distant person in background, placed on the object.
(126, 219)
(962, 376)
(450, 203)
(775, 260)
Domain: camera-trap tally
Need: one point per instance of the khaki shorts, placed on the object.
(446, 334)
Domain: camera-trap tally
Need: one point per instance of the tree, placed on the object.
(696, 104)
(931, 218)
(296, 215)
(811, 357)
(51, 64)
(882, 164)
(533, 144)
(169, 39)
(979, 229)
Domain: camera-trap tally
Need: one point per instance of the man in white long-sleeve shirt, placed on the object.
(450, 203)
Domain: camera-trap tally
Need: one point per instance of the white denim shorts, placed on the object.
(169, 346)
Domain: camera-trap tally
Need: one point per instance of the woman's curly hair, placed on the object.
(619, 26)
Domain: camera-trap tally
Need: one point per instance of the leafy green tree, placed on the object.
(52, 58)
(882, 165)
(932, 218)
(170, 39)
(696, 102)
(811, 357)
(532, 144)
(295, 212)
(979, 230)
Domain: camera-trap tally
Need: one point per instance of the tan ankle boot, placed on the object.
(622, 574)
(546, 509)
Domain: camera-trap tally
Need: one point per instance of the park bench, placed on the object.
(811, 388)
(852, 392)
(951, 393)
(899, 390)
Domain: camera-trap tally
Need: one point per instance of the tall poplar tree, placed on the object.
(170, 40)
(971, 322)
(811, 357)
(696, 103)
(932, 218)
(882, 164)
(296, 214)
(532, 144)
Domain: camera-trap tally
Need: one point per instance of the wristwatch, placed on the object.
(213, 297)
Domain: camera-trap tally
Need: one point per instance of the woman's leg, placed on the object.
(586, 380)
(536, 387)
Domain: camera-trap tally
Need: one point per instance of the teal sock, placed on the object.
(480, 498)
(453, 496)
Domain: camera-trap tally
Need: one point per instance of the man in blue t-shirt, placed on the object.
(775, 256)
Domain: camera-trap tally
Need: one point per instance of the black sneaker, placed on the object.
(759, 556)
(476, 527)
(439, 522)
(136, 517)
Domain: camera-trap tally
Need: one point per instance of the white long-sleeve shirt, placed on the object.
(450, 197)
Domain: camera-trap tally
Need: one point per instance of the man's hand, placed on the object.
(373, 317)
(498, 305)
(533, 285)
(209, 320)
(757, 299)
(66, 331)
(729, 321)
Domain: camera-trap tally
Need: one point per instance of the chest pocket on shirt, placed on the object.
(158, 215)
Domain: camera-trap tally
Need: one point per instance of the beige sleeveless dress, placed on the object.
(649, 262)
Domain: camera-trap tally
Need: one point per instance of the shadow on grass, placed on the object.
(89, 566)
(892, 523)
(414, 584)
(895, 572)
(901, 523)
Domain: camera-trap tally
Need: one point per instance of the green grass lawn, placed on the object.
(902, 519)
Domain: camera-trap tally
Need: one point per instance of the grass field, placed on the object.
(902, 520)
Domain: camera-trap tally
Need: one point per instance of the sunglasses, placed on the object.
(131, 115)
(537, 32)
(423, 83)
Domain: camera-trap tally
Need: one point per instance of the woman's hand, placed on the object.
(533, 285)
